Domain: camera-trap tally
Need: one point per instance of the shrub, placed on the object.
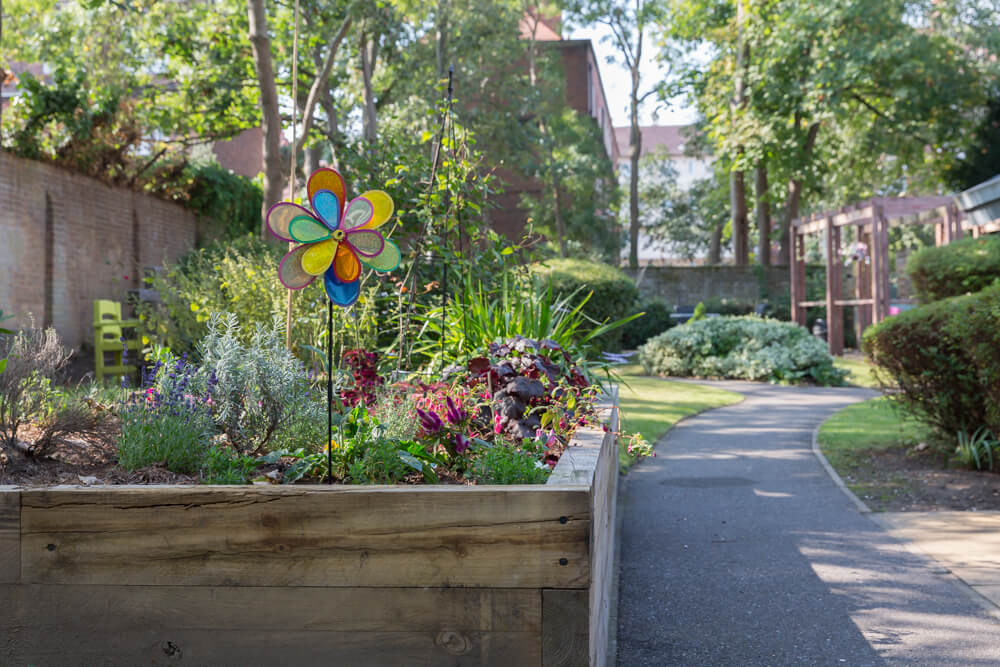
(965, 266)
(614, 293)
(258, 387)
(941, 361)
(33, 357)
(655, 321)
(748, 347)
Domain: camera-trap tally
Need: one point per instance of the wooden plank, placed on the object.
(206, 625)
(10, 535)
(502, 537)
(564, 628)
(859, 216)
(811, 304)
(602, 596)
(128, 609)
(853, 302)
(293, 647)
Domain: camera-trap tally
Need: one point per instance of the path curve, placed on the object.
(738, 549)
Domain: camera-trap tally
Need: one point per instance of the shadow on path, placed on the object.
(738, 549)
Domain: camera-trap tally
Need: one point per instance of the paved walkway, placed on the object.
(738, 549)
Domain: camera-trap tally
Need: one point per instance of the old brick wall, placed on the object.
(688, 285)
(66, 240)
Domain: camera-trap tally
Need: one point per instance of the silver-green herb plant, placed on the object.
(258, 387)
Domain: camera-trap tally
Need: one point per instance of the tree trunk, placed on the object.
(715, 245)
(763, 214)
(737, 182)
(441, 38)
(367, 68)
(634, 150)
(738, 210)
(560, 223)
(274, 181)
(794, 200)
(333, 127)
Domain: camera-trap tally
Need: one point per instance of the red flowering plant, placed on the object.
(364, 369)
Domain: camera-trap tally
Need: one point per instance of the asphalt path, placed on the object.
(738, 549)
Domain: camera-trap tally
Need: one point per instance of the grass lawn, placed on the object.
(651, 406)
(860, 371)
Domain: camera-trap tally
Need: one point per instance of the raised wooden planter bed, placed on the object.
(339, 575)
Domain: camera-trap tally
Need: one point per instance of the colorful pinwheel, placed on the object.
(334, 241)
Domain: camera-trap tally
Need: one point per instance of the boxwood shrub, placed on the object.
(746, 347)
(964, 266)
(656, 320)
(941, 361)
(614, 292)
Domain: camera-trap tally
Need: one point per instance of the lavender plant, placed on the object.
(168, 421)
(257, 388)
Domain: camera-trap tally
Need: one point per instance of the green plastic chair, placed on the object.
(108, 333)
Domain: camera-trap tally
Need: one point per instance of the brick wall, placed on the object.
(66, 240)
(687, 285)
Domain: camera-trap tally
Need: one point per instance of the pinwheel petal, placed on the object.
(358, 214)
(346, 265)
(327, 207)
(327, 179)
(387, 260)
(366, 242)
(290, 271)
(307, 230)
(319, 256)
(382, 208)
(341, 293)
(280, 216)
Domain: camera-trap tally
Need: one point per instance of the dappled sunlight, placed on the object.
(771, 494)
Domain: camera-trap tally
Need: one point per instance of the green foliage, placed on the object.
(979, 450)
(655, 320)
(981, 161)
(239, 277)
(941, 361)
(504, 464)
(221, 465)
(479, 318)
(232, 201)
(749, 348)
(175, 432)
(967, 265)
(257, 387)
(609, 293)
(699, 313)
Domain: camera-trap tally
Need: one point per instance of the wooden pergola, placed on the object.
(873, 219)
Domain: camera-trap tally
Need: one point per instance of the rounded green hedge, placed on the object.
(654, 321)
(746, 348)
(941, 361)
(965, 266)
(614, 293)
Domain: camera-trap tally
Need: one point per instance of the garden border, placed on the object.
(418, 575)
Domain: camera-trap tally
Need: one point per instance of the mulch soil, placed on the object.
(907, 480)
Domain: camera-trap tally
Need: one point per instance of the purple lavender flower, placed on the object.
(461, 443)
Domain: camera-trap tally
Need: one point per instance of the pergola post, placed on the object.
(834, 312)
(880, 267)
(798, 271)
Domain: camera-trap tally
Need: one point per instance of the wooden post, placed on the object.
(879, 254)
(955, 221)
(834, 313)
(798, 269)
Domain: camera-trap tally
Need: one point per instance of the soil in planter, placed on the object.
(74, 460)
(905, 480)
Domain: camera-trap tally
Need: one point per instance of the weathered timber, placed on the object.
(512, 537)
(604, 497)
(163, 624)
(564, 628)
(10, 535)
